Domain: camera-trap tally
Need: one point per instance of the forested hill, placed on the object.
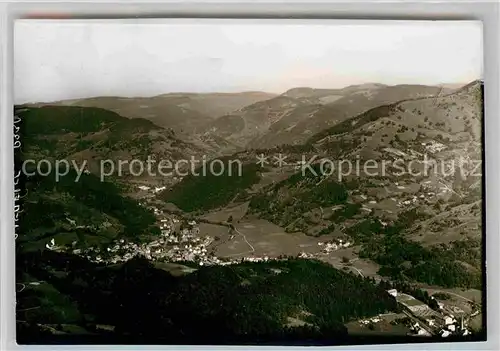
(88, 135)
(248, 302)
(87, 212)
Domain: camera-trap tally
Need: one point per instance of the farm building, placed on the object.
(415, 307)
(393, 292)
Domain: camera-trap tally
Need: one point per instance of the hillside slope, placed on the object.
(74, 214)
(296, 128)
(91, 135)
(244, 303)
(182, 112)
(437, 206)
(395, 218)
(254, 120)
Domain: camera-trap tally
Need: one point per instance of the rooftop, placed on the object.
(408, 300)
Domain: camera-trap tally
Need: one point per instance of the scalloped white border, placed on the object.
(487, 12)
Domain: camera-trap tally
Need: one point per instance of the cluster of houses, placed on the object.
(417, 329)
(440, 322)
(175, 243)
(433, 146)
(187, 245)
(196, 250)
(372, 320)
(306, 255)
(172, 246)
(452, 325)
(334, 245)
(403, 200)
(213, 260)
(154, 189)
(410, 201)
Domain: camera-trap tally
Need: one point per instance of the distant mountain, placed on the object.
(324, 95)
(432, 207)
(452, 86)
(182, 112)
(93, 134)
(395, 218)
(256, 119)
(216, 104)
(251, 121)
(449, 113)
(297, 114)
(295, 128)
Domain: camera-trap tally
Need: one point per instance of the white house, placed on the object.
(445, 333)
(423, 332)
(393, 292)
(451, 327)
(158, 189)
(52, 244)
(448, 320)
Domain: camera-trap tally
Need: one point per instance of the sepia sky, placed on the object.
(55, 60)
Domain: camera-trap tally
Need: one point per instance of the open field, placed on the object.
(384, 327)
(212, 229)
(174, 268)
(237, 212)
(272, 177)
(362, 267)
(471, 295)
(476, 322)
(259, 237)
(408, 300)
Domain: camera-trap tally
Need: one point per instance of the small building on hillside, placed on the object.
(445, 333)
(393, 292)
(448, 320)
(423, 332)
(416, 307)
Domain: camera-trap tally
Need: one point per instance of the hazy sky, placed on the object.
(56, 60)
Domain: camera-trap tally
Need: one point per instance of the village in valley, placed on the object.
(181, 241)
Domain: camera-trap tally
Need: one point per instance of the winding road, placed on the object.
(252, 249)
(361, 274)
